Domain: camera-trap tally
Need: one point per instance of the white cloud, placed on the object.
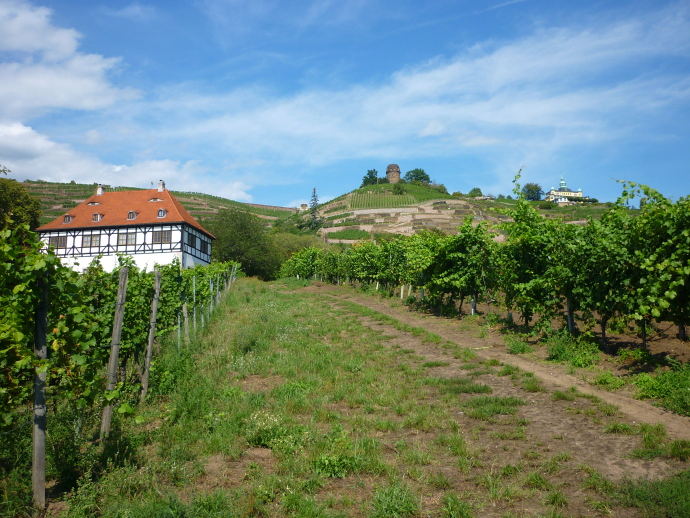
(42, 69)
(26, 28)
(25, 150)
(135, 12)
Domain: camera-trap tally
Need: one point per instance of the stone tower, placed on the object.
(393, 173)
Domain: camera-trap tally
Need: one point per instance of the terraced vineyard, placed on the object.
(377, 200)
(56, 198)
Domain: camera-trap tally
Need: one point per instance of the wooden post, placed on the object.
(194, 300)
(115, 346)
(185, 319)
(179, 338)
(152, 334)
(39, 432)
(571, 316)
(210, 297)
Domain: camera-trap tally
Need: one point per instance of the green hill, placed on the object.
(57, 198)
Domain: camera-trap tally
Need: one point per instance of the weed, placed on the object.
(622, 428)
(679, 449)
(435, 364)
(454, 507)
(608, 381)
(579, 352)
(516, 345)
(562, 396)
(667, 497)
(510, 470)
(396, 499)
(507, 370)
(556, 499)
(515, 435)
(439, 480)
(536, 480)
(532, 384)
(671, 388)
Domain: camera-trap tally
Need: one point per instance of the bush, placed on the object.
(671, 388)
(562, 347)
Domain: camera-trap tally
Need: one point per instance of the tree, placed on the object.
(532, 192)
(242, 237)
(476, 191)
(417, 175)
(17, 206)
(370, 178)
(314, 221)
(398, 189)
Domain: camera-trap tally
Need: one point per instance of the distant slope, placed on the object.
(58, 198)
(376, 210)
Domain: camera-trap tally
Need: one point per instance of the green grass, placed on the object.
(315, 413)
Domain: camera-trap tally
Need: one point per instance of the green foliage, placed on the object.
(243, 238)
(399, 190)
(474, 192)
(671, 388)
(532, 191)
(417, 175)
(517, 346)
(17, 206)
(372, 178)
(667, 497)
(350, 234)
(394, 500)
(579, 352)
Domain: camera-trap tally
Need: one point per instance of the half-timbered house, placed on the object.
(149, 225)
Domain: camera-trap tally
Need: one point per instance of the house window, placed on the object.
(96, 217)
(131, 215)
(191, 240)
(91, 241)
(204, 247)
(162, 236)
(162, 213)
(58, 242)
(67, 219)
(127, 239)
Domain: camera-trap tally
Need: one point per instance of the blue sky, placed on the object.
(263, 100)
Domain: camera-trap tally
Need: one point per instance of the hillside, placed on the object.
(353, 216)
(56, 198)
(375, 210)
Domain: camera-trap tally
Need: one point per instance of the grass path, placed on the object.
(300, 404)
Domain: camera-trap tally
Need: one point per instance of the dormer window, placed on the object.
(156, 199)
(162, 213)
(94, 203)
(96, 217)
(131, 215)
(67, 219)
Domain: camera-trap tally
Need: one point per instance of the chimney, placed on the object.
(99, 190)
(161, 185)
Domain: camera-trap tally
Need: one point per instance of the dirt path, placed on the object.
(492, 346)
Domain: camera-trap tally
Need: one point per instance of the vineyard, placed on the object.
(380, 201)
(84, 343)
(605, 273)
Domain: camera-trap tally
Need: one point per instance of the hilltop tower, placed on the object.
(393, 173)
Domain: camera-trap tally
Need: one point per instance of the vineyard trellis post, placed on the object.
(152, 334)
(115, 346)
(194, 300)
(39, 428)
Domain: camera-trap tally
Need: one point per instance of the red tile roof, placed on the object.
(115, 206)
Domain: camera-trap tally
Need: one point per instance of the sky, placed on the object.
(264, 100)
